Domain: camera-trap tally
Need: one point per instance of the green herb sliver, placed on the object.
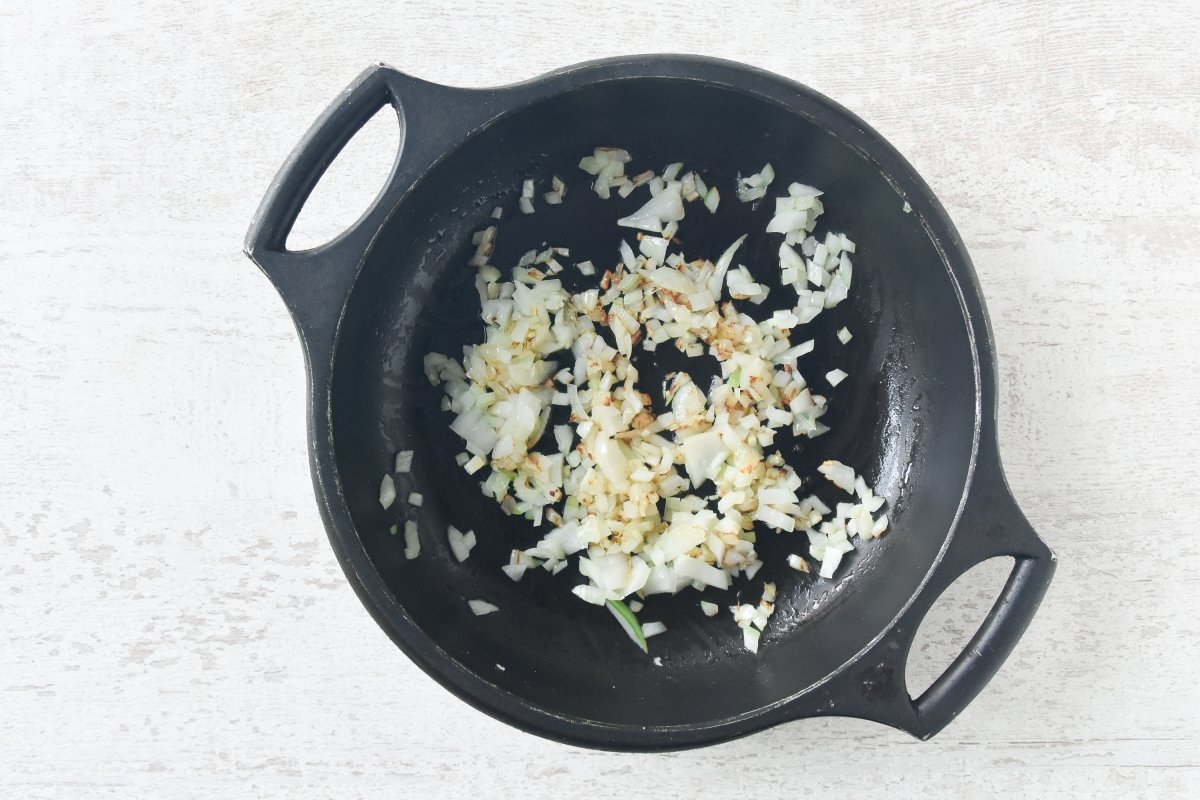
(629, 622)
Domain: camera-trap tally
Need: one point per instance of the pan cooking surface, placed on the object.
(904, 417)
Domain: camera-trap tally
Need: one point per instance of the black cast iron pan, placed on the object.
(917, 415)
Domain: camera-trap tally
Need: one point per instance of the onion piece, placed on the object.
(590, 594)
(839, 474)
(404, 460)
(481, 607)
(412, 543)
(830, 561)
(703, 454)
(718, 277)
(792, 353)
(697, 570)
(627, 257)
(666, 206)
(776, 519)
(712, 199)
(797, 563)
(754, 187)
(654, 249)
(387, 492)
(460, 543)
(653, 629)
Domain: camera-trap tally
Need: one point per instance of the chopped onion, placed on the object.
(666, 206)
(387, 492)
(792, 353)
(416, 499)
(654, 249)
(830, 561)
(590, 594)
(404, 460)
(776, 519)
(723, 263)
(697, 570)
(754, 187)
(709, 609)
(797, 563)
(563, 435)
(620, 490)
(712, 199)
(412, 544)
(703, 455)
(837, 472)
(835, 377)
(481, 607)
(460, 543)
(627, 257)
(844, 336)
(652, 629)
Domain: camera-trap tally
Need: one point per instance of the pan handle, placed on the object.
(315, 283)
(873, 686)
(993, 525)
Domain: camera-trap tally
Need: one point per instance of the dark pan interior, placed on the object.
(904, 417)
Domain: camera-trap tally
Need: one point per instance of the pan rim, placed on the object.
(509, 706)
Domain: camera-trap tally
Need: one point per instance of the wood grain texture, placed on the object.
(172, 622)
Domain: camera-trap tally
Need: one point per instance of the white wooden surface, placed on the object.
(172, 622)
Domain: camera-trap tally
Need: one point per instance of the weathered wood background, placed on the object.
(172, 622)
